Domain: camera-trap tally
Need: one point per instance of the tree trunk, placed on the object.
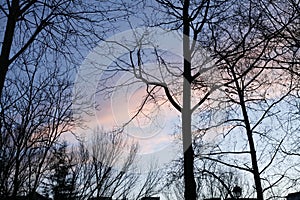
(256, 174)
(189, 180)
(7, 42)
(16, 182)
(255, 170)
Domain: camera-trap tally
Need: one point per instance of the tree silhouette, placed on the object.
(62, 180)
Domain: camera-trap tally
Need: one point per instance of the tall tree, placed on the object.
(192, 19)
(259, 86)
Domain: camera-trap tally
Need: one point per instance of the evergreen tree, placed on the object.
(63, 184)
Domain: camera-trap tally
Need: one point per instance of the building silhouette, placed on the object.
(34, 196)
(232, 199)
(293, 196)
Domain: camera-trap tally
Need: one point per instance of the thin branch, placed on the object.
(227, 164)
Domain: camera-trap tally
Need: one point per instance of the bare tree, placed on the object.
(247, 42)
(192, 19)
(213, 179)
(65, 27)
(38, 44)
(35, 112)
(256, 90)
(105, 166)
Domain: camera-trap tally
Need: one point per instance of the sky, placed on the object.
(113, 101)
(110, 102)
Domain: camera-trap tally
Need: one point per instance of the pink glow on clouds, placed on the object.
(153, 128)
